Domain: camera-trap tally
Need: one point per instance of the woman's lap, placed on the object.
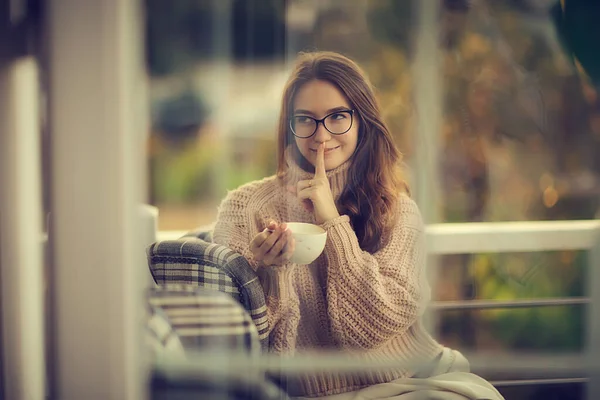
(448, 379)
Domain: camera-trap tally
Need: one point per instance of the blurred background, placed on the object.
(519, 140)
(521, 131)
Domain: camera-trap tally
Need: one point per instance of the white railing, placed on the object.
(495, 237)
(500, 237)
(504, 237)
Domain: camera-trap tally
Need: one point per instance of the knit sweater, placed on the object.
(347, 299)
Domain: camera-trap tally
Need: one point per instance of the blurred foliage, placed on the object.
(183, 173)
(530, 276)
(391, 22)
(205, 166)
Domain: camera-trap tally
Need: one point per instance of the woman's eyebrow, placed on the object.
(331, 110)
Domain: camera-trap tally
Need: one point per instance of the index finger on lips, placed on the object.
(320, 163)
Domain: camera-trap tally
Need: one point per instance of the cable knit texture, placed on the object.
(348, 299)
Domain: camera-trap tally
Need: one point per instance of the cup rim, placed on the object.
(321, 230)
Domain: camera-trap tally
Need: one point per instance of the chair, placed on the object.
(183, 318)
(195, 262)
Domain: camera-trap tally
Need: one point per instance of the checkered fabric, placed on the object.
(160, 336)
(193, 261)
(204, 318)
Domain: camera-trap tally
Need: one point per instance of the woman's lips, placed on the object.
(329, 150)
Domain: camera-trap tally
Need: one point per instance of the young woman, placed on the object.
(338, 168)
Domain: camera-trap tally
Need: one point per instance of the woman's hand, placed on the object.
(274, 245)
(316, 193)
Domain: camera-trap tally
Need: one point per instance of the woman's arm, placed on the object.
(373, 298)
(235, 227)
(234, 224)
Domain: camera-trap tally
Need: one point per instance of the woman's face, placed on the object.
(319, 99)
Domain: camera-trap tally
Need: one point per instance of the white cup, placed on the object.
(310, 241)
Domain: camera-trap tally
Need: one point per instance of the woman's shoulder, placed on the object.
(251, 192)
(409, 213)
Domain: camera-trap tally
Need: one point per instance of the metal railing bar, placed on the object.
(519, 303)
(524, 364)
(550, 381)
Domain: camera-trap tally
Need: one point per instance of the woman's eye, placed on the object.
(338, 116)
(302, 120)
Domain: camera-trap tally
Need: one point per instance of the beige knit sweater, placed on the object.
(347, 299)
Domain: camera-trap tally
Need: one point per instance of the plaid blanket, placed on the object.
(201, 319)
(193, 261)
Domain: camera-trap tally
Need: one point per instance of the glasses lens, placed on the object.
(303, 126)
(339, 122)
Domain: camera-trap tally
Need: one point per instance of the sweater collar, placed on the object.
(337, 176)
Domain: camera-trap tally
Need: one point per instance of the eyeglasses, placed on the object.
(337, 123)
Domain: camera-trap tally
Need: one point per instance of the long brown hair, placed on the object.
(374, 181)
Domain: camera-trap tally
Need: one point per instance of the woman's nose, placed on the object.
(322, 134)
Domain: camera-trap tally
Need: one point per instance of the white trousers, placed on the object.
(450, 379)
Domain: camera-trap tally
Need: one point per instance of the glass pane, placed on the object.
(217, 70)
(548, 329)
(518, 140)
(521, 128)
(505, 276)
(513, 276)
(217, 74)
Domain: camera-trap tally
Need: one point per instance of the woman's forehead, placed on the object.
(319, 97)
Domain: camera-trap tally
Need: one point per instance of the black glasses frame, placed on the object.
(322, 121)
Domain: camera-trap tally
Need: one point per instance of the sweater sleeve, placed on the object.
(236, 226)
(375, 297)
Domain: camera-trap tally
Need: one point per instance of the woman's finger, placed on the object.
(303, 185)
(320, 164)
(307, 194)
(259, 240)
(311, 183)
(272, 225)
(271, 240)
(273, 257)
(306, 197)
(289, 249)
(275, 252)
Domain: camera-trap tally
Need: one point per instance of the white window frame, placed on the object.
(98, 125)
(21, 244)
